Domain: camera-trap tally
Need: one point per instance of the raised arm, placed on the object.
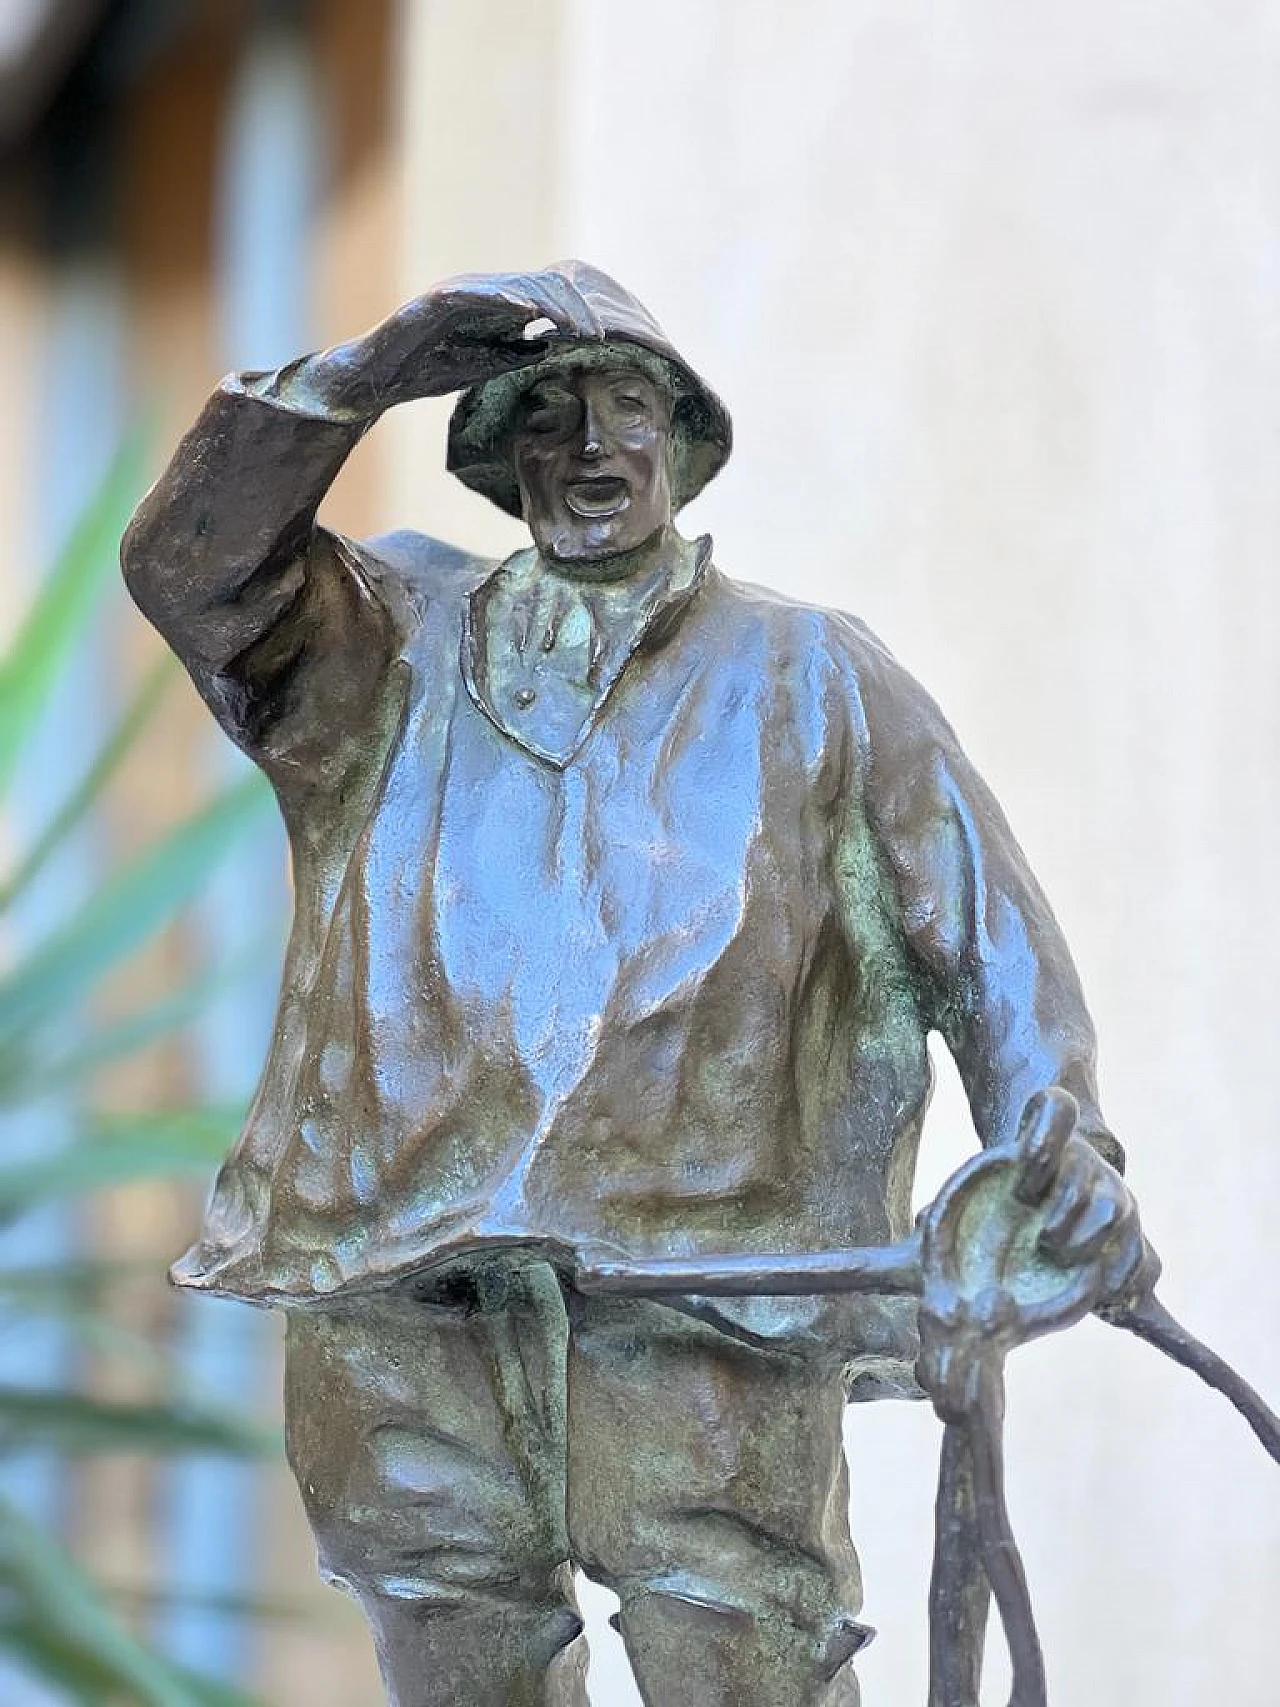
(219, 549)
(224, 555)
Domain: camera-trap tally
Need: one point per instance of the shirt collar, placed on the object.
(646, 622)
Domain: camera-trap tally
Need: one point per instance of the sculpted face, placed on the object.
(591, 458)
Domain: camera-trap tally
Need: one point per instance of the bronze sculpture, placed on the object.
(626, 899)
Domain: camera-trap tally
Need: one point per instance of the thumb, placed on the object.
(1047, 1123)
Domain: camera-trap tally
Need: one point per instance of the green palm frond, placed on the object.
(35, 1072)
(58, 1623)
(120, 1150)
(76, 1424)
(86, 793)
(60, 613)
(55, 1621)
(128, 910)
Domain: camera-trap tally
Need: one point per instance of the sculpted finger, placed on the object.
(1047, 1123)
(483, 307)
(1071, 1198)
(482, 287)
(1091, 1230)
(518, 297)
(554, 299)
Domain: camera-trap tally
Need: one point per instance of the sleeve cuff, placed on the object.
(290, 390)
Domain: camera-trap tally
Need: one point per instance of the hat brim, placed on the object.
(483, 421)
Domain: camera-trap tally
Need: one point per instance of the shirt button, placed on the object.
(524, 697)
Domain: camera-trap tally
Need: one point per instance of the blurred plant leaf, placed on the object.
(44, 1653)
(209, 1692)
(89, 789)
(124, 1150)
(154, 1597)
(89, 1683)
(61, 609)
(125, 912)
(54, 1620)
(76, 1424)
(69, 1280)
(67, 1632)
(26, 1074)
(74, 1295)
(96, 1329)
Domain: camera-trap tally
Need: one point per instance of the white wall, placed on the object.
(991, 289)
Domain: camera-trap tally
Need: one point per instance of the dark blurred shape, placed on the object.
(40, 41)
(64, 67)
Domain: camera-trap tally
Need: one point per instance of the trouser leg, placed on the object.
(707, 1488)
(427, 1435)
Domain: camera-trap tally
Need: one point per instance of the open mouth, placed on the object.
(602, 495)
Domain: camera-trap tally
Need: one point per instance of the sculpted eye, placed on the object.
(548, 412)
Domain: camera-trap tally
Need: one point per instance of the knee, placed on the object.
(410, 1519)
(680, 1633)
(733, 1603)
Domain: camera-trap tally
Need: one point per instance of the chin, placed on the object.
(589, 544)
(580, 552)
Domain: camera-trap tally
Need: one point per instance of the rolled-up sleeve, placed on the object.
(225, 558)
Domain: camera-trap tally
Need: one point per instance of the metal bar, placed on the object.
(869, 1268)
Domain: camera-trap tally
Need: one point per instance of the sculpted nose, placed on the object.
(592, 447)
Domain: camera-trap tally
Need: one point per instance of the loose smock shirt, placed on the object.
(639, 959)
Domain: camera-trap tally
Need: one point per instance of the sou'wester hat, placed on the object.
(609, 326)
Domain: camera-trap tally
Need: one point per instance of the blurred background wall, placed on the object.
(991, 290)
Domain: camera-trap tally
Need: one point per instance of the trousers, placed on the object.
(462, 1444)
